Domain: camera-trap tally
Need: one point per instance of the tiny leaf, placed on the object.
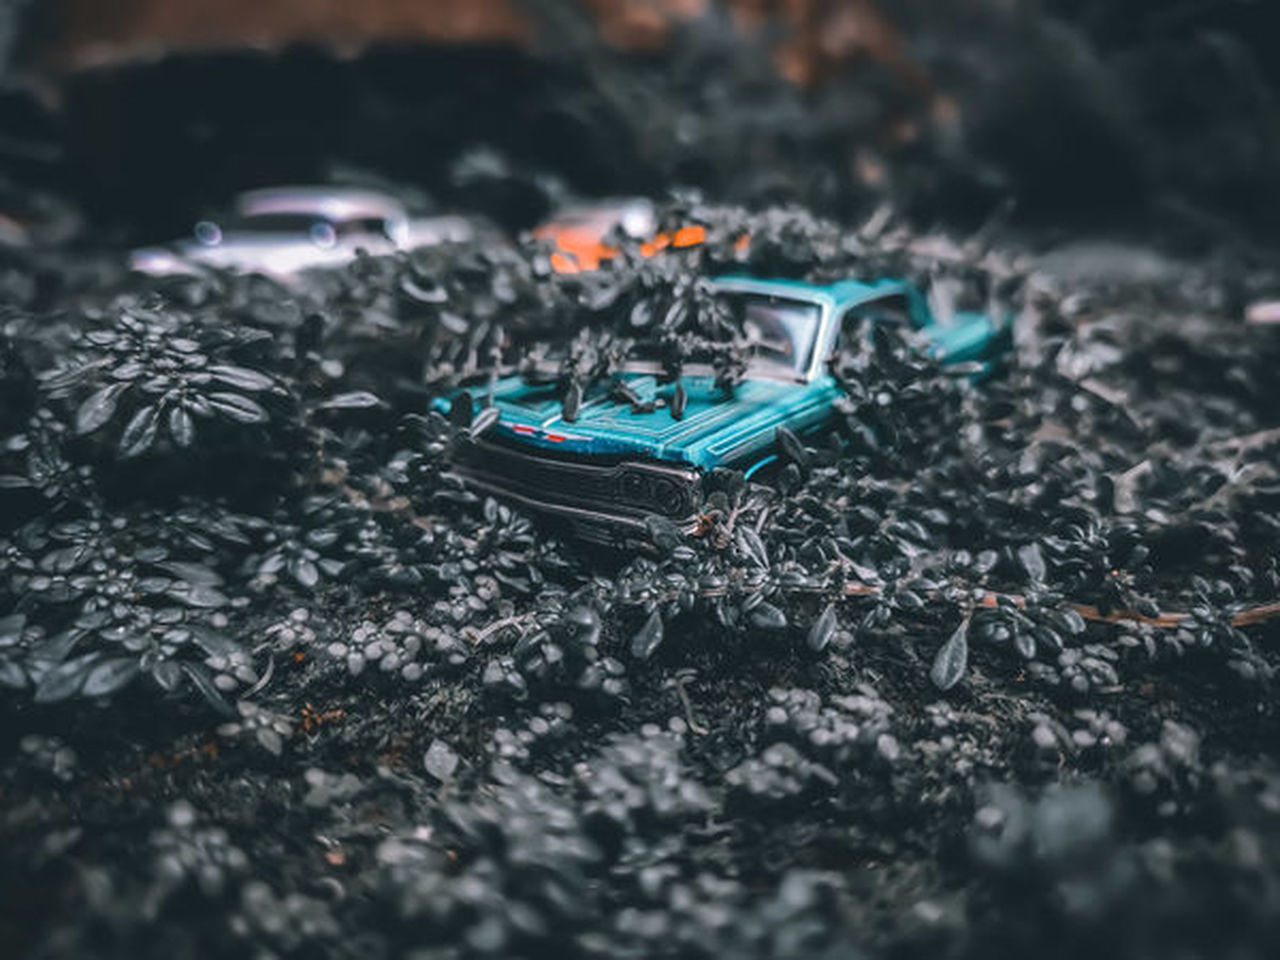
(109, 676)
(12, 676)
(765, 616)
(241, 377)
(181, 427)
(356, 400)
(139, 434)
(198, 595)
(216, 644)
(65, 680)
(1032, 562)
(750, 543)
(792, 447)
(679, 400)
(952, 658)
(440, 760)
(572, 401)
(235, 407)
(192, 572)
(166, 673)
(461, 410)
(270, 740)
(648, 638)
(203, 683)
(664, 534)
(11, 628)
(823, 629)
(99, 408)
(485, 420)
(305, 572)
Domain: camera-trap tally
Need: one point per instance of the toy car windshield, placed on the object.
(781, 330)
(318, 229)
(781, 333)
(292, 223)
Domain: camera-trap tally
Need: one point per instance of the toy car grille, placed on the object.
(628, 489)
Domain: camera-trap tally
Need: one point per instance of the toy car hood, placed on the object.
(716, 427)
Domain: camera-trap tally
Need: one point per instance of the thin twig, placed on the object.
(262, 681)
(1251, 616)
(479, 636)
(688, 709)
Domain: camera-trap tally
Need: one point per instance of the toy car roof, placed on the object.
(840, 294)
(334, 203)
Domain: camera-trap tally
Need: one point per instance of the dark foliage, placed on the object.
(239, 583)
(984, 669)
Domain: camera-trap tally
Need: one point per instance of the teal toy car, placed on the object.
(621, 460)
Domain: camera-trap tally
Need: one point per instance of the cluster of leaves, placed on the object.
(635, 847)
(156, 374)
(219, 390)
(926, 494)
(487, 741)
(97, 601)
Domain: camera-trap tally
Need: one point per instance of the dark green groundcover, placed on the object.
(983, 671)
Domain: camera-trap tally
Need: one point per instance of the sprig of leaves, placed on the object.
(154, 374)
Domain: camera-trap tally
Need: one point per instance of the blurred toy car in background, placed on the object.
(635, 448)
(582, 234)
(283, 231)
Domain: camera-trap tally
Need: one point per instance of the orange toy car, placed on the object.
(579, 233)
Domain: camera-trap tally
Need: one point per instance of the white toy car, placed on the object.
(283, 231)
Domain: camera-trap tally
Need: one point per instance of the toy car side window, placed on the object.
(857, 321)
(894, 310)
(364, 227)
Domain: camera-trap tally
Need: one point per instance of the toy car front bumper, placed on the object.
(591, 498)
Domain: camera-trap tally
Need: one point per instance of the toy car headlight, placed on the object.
(637, 487)
(157, 261)
(665, 491)
(652, 490)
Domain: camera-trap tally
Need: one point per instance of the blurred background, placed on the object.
(1151, 115)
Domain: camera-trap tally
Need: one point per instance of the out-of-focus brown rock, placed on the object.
(827, 35)
(824, 35)
(641, 24)
(94, 33)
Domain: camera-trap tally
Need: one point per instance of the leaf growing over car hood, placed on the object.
(716, 427)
